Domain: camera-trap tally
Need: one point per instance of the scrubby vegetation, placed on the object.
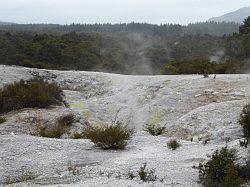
(62, 125)
(245, 123)
(221, 170)
(173, 144)
(200, 66)
(154, 130)
(35, 93)
(144, 174)
(66, 120)
(109, 136)
(123, 48)
(110, 52)
(72, 168)
(25, 176)
(244, 171)
(2, 119)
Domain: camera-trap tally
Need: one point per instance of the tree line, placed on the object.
(202, 28)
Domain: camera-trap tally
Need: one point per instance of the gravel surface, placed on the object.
(189, 106)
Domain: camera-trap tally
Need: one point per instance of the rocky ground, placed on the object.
(189, 106)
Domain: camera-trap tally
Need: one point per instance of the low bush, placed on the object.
(220, 170)
(35, 93)
(2, 119)
(62, 125)
(143, 174)
(244, 171)
(109, 136)
(77, 135)
(66, 120)
(146, 175)
(245, 122)
(154, 130)
(173, 144)
(205, 75)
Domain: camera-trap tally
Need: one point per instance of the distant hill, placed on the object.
(236, 16)
(5, 23)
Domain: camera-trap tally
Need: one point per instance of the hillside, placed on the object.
(236, 16)
(189, 106)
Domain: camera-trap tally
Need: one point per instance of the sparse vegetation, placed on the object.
(78, 135)
(245, 123)
(206, 141)
(143, 174)
(2, 120)
(243, 143)
(26, 176)
(200, 66)
(146, 175)
(220, 170)
(35, 93)
(244, 171)
(66, 120)
(72, 168)
(154, 130)
(205, 75)
(173, 144)
(62, 125)
(109, 136)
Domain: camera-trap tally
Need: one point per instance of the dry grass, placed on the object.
(154, 130)
(62, 125)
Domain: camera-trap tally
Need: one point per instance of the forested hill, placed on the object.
(127, 48)
(236, 16)
(211, 28)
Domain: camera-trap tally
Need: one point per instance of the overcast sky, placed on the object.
(115, 11)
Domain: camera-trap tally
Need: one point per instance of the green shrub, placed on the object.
(35, 93)
(220, 170)
(62, 125)
(173, 144)
(244, 171)
(2, 119)
(109, 136)
(245, 122)
(154, 130)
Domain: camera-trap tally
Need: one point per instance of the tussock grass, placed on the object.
(34, 93)
(154, 130)
(173, 144)
(2, 120)
(109, 136)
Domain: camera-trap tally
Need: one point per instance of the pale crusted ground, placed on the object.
(190, 106)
